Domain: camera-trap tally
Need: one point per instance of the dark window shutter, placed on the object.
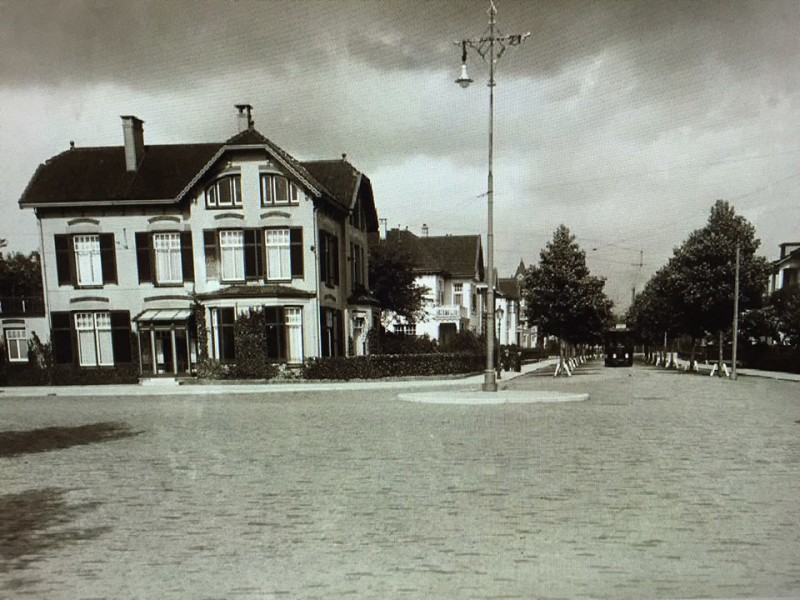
(322, 256)
(187, 256)
(335, 252)
(61, 337)
(211, 250)
(276, 332)
(338, 332)
(144, 263)
(108, 258)
(227, 341)
(121, 336)
(296, 251)
(65, 260)
(251, 250)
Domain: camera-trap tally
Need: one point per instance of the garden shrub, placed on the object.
(387, 365)
(250, 339)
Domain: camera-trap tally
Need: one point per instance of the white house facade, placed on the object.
(141, 244)
(451, 269)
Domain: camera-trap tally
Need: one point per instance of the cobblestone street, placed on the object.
(661, 485)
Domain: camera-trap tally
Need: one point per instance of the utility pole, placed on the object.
(735, 315)
(491, 45)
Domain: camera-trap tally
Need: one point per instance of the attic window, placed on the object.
(225, 192)
(276, 189)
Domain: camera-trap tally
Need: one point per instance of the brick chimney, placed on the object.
(244, 118)
(134, 141)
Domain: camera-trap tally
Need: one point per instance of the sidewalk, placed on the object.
(170, 388)
(705, 369)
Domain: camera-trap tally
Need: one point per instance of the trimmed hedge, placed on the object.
(32, 375)
(392, 365)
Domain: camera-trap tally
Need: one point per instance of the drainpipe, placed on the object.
(318, 316)
(43, 268)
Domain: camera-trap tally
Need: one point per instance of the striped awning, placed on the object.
(163, 315)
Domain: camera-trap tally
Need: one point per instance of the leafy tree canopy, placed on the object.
(701, 274)
(562, 297)
(20, 275)
(392, 280)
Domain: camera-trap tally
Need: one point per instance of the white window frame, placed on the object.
(88, 263)
(407, 329)
(234, 183)
(269, 190)
(231, 253)
(458, 294)
(279, 254)
(94, 333)
(168, 258)
(293, 318)
(17, 342)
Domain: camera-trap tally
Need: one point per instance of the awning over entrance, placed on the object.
(163, 315)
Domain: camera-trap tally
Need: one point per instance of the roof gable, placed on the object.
(458, 256)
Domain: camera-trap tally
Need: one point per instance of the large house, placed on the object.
(451, 269)
(150, 252)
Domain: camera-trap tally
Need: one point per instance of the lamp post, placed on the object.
(490, 47)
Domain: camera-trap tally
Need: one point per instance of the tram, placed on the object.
(619, 347)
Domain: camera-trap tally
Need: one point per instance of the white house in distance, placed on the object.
(139, 242)
(451, 268)
(786, 270)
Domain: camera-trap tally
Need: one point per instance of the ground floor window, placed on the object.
(91, 339)
(94, 339)
(17, 345)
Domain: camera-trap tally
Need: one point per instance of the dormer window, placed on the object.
(225, 192)
(276, 189)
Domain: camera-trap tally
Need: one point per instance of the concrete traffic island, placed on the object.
(499, 397)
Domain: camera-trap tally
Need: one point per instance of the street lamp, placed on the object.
(485, 46)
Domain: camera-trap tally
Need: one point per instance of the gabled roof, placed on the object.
(509, 288)
(458, 256)
(98, 176)
(345, 183)
(792, 256)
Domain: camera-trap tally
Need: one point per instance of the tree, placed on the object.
(702, 275)
(562, 297)
(785, 304)
(653, 314)
(392, 280)
(21, 276)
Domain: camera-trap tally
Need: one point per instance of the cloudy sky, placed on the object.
(623, 120)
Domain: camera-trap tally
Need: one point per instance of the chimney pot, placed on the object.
(133, 133)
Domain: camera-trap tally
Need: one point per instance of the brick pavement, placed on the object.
(662, 485)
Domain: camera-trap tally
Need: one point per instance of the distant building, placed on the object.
(786, 270)
(451, 268)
